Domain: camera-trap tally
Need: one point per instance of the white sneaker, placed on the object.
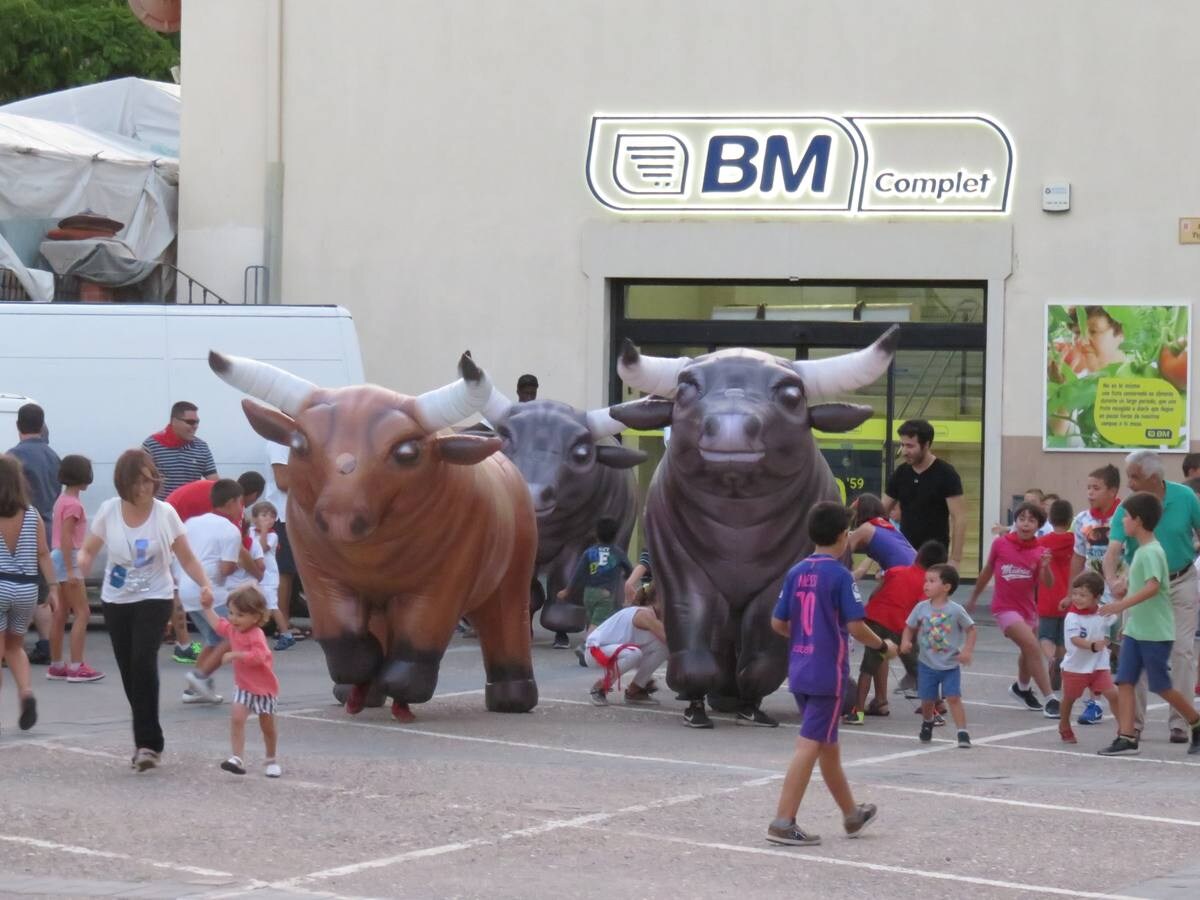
(273, 770)
(203, 687)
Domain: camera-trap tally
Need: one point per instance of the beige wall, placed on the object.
(434, 157)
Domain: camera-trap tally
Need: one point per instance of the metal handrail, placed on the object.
(254, 275)
(192, 284)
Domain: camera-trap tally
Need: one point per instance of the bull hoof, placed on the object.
(562, 616)
(407, 681)
(401, 713)
(511, 696)
(356, 699)
(693, 673)
(352, 659)
(374, 698)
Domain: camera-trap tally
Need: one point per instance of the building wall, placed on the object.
(434, 158)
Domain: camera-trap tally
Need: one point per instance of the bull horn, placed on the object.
(497, 407)
(843, 374)
(459, 400)
(650, 374)
(283, 390)
(602, 425)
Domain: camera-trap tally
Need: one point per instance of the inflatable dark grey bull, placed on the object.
(726, 510)
(577, 474)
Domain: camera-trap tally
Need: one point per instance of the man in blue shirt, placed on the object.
(818, 608)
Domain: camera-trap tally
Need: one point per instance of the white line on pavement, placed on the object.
(1085, 755)
(109, 854)
(880, 867)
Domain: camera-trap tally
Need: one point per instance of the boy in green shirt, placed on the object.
(1149, 628)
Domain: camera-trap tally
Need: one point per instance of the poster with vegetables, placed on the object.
(1117, 376)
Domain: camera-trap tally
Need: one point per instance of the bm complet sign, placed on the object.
(801, 164)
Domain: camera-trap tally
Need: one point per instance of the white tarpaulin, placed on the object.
(96, 148)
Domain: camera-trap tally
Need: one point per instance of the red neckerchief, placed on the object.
(1024, 545)
(169, 438)
(882, 523)
(1100, 514)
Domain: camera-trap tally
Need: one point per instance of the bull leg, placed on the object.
(724, 696)
(762, 658)
(356, 697)
(504, 640)
(420, 629)
(339, 618)
(689, 614)
(562, 616)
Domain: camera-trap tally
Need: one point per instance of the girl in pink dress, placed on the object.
(256, 687)
(1019, 564)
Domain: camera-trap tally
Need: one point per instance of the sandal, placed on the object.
(876, 708)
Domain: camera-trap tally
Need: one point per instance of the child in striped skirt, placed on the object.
(256, 687)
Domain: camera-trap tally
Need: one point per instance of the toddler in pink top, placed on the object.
(255, 686)
(1020, 564)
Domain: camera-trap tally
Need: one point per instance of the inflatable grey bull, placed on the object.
(577, 474)
(727, 508)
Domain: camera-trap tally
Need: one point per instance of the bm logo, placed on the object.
(800, 164)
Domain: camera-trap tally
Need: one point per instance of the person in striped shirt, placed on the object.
(181, 458)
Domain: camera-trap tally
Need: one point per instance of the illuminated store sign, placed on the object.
(800, 164)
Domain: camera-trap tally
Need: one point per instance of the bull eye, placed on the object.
(581, 453)
(407, 453)
(298, 443)
(790, 396)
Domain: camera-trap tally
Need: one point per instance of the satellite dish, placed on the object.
(159, 15)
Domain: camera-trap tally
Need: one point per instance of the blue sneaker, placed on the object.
(1092, 713)
(284, 641)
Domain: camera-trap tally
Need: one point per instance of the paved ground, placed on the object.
(571, 800)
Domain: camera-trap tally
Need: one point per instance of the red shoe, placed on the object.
(401, 713)
(1067, 735)
(57, 673)
(357, 699)
(83, 674)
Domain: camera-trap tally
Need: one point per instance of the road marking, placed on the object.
(1086, 755)
(526, 745)
(880, 867)
(1054, 807)
(110, 854)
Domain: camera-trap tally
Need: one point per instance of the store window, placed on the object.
(937, 373)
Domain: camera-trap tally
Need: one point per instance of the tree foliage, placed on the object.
(48, 45)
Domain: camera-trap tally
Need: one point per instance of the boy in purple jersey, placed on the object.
(818, 607)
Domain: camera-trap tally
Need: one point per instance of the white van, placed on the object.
(107, 374)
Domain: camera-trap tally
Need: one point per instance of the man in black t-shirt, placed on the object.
(929, 492)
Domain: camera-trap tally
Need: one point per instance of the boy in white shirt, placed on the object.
(1086, 664)
(265, 548)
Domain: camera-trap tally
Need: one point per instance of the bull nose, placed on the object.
(358, 526)
(322, 523)
(727, 426)
(752, 426)
(544, 495)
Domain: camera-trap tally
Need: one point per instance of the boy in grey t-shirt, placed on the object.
(945, 635)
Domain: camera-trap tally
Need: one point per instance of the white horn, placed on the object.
(456, 401)
(602, 425)
(649, 374)
(497, 407)
(843, 374)
(281, 389)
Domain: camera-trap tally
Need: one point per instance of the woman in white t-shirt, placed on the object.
(141, 535)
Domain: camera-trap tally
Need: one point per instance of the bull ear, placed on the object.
(617, 457)
(269, 423)
(465, 449)
(649, 412)
(838, 417)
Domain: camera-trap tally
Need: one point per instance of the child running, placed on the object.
(1017, 560)
(818, 607)
(1060, 543)
(256, 688)
(1086, 665)
(946, 637)
(1149, 628)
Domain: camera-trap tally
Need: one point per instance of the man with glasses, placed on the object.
(181, 458)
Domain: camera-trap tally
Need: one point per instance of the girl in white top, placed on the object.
(631, 638)
(1086, 665)
(142, 536)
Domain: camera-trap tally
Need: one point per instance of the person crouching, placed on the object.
(631, 638)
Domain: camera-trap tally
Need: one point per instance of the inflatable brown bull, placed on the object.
(400, 528)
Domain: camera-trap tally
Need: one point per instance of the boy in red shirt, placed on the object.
(1061, 543)
(901, 589)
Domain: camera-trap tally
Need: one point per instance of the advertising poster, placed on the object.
(1117, 376)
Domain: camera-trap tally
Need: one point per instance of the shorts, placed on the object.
(15, 615)
(283, 554)
(1076, 683)
(60, 564)
(208, 634)
(1151, 657)
(259, 704)
(1006, 618)
(819, 715)
(1052, 629)
(930, 679)
(271, 595)
(872, 657)
(598, 602)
